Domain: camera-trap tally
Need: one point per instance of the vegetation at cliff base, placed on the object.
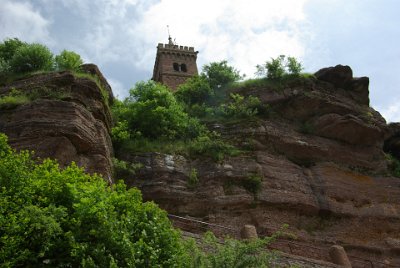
(52, 217)
(67, 218)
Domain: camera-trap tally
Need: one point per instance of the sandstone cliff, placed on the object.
(319, 156)
(323, 170)
(66, 117)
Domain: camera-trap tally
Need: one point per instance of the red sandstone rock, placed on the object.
(73, 128)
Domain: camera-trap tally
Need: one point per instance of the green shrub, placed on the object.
(66, 218)
(153, 111)
(193, 179)
(32, 57)
(13, 99)
(394, 165)
(230, 253)
(195, 90)
(252, 183)
(68, 60)
(124, 168)
(120, 132)
(294, 67)
(220, 74)
(8, 48)
(17, 97)
(279, 68)
(241, 107)
(212, 146)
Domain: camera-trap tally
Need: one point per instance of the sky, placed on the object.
(120, 36)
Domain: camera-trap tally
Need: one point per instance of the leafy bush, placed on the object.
(241, 107)
(278, 68)
(124, 168)
(66, 218)
(120, 132)
(195, 90)
(68, 60)
(193, 179)
(13, 99)
(394, 165)
(153, 111)
(8, 48)
(220, 74)
(252, 183)
(294, 67)
(211, 146)
(230, 253)
(32, 57)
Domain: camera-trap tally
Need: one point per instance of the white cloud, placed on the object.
(392, 112)
(118, 88)
(22, 21)
(244, 33)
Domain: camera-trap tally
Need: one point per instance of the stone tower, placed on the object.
(174, 64)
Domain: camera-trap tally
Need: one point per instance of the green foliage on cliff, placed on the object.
(32, 57)
(152, 111)
(68, 60)
(394, 165)
(279, 68)
(66, 218)
(52, 217)
(18, 58)
(230, 253)
(220, 74)
(152, 120)
(196, 90)
(17, 97)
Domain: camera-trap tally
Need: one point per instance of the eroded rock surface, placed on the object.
(69, 120)
(322, 167)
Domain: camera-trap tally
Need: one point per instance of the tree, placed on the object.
(279, 67)
(220, 74)
(195, 90)
(8, 48)
(68, 60)
(67, 218)
(152, 110)
(32, 57)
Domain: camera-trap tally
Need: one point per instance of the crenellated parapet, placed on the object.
(174, 64)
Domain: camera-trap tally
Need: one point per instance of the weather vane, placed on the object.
(170, 42)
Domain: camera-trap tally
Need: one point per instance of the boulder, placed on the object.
(340, 75)
(348, 128)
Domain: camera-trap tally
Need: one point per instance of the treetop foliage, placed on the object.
(220, 74)
(279, 67)
(152, 111)
(18, 57)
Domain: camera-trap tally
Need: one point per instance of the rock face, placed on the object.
(322, 167)
(68, 119)
(392, 143)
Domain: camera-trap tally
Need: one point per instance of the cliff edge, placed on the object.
(61, 115)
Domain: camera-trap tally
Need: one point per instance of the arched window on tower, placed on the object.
(183, 67)
(176, 66)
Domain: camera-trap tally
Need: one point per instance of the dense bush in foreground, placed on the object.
(66, 218)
